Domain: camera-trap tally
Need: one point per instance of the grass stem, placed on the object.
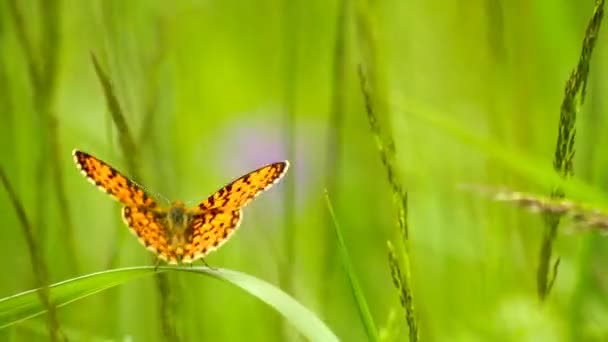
(129, 150)
(362, 307)
(39, 267)
(574, 97)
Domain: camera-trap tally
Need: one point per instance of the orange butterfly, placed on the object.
(178, 234)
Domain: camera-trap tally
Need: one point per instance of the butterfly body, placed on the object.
(179, 234)
(177, 218)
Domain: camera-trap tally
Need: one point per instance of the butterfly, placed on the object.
(179, 234)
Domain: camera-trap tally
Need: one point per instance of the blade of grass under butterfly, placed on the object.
(25, 305)
(304, 320)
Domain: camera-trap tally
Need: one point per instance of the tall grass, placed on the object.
(373, 88)
(186, 96)
(574, 98)
(39, 266)
(130, 152)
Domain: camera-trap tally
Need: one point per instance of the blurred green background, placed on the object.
(213, 89)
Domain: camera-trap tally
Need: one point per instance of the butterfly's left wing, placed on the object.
(112, 182)
(208, 231)
(242, 190)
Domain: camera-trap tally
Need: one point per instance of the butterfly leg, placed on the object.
(206, 264)
(156, 264)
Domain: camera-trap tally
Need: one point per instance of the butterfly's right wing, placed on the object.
(112, 182)
(217, 217)
(208, 231)
(150, 232)
(238, 193)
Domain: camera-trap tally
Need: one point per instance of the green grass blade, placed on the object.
(364, 313)
(304, 320)
(26, 305)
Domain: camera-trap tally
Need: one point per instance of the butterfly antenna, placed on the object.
(159, 195)
(191, 202)
(155, 194)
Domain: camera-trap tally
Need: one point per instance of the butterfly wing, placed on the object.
(149, 231)
(209, 230)
(211, 224)
(241, 191)
(112, 182)
(219, 216)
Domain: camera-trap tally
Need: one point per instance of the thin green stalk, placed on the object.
(574, 97)
(290, 39)
(39, 267)
(495, 15)
(364, 314)
(50, 47)
(392, 327)
(7, 121)
(43, 77)
(373, 88)
(335, 135)
(129, 151)
(153, 90)
(386, 149)
(290, 64)
(26, 44)
(401, 281)
(127, 142)
(338, 102)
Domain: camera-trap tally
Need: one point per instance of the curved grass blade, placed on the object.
(304, 320)
(25, 305)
